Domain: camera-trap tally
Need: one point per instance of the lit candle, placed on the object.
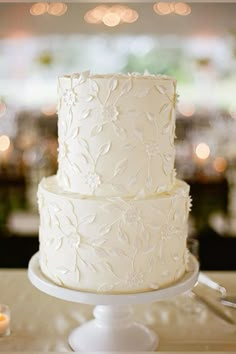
(4, 320)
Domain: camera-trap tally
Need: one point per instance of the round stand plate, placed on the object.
(113, 328)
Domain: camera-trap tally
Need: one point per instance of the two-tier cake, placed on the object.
(114, 218)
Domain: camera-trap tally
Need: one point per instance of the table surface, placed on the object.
(42, 323)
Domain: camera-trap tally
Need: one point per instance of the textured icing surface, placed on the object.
(113, 245)
(116, 134)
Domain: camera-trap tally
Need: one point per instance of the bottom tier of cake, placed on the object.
(113, 245)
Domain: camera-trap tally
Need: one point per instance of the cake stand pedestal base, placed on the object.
(113, 328)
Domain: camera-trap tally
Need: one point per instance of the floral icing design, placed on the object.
(98, 108)
(70, 97)
(129, 232)
(93, 180)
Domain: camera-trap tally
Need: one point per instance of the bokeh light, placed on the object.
(163, 8)
(3, 108)
(187, 109)
(39, 8)
(57, 9)
(129, 15)
(111, 19)
(220, 164)
(49, 110)
(4, 142)
(166, 8)
(202, 151)
(111, 16)
(181, 8)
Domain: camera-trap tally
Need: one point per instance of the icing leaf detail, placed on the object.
(85, 114)
(122, 236)
(89, 98)
(161, 89)
(66, 181)
(90, 267)
(120, 167)
(120, 132)
(94, 87)
(83, 143)
(98, 243)
(84, 158)
(164, 108)
(105, 230)
(76, 133)
(151, 117)
(104, 149)
(132, 180)
(63, 270)
(89, 219)
(96, 130)
(112, 85)
(126, 87)
(101, 252)
(83, 77)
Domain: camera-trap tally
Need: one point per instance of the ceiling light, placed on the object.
(111, 19)
(39, 8)
(129, 15)
(202, 151)
(163, 8)
(111, 16)
(181, 8)
(57, 8)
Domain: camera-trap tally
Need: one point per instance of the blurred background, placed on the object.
(195, 43)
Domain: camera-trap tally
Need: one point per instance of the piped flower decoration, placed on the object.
(110, 113)
(132, 216)
(70, 97)
(93, 180)
(134, 279)
(152, 149)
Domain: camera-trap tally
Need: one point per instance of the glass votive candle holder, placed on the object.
(5, 320)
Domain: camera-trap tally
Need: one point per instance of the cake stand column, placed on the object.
(113, 329)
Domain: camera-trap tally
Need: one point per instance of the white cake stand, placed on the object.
(113, 328)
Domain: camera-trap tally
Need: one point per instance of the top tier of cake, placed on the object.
(116, 134)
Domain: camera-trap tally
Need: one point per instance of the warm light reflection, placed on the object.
(220, 164)
(48, 110)
(39, 8)
(129, 16)
(111, 19)
(57, 9)
(181, 8)
(4, 142)
(3, 109)
(111, 16)
(202, 151)
(163, 8)
(187, 109)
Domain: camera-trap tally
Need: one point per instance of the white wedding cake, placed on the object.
(114, 218)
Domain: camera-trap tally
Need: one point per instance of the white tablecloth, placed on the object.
(42, 323)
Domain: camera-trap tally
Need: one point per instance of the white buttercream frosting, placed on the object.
(114, 218)
(90, 243)
(116, 134)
